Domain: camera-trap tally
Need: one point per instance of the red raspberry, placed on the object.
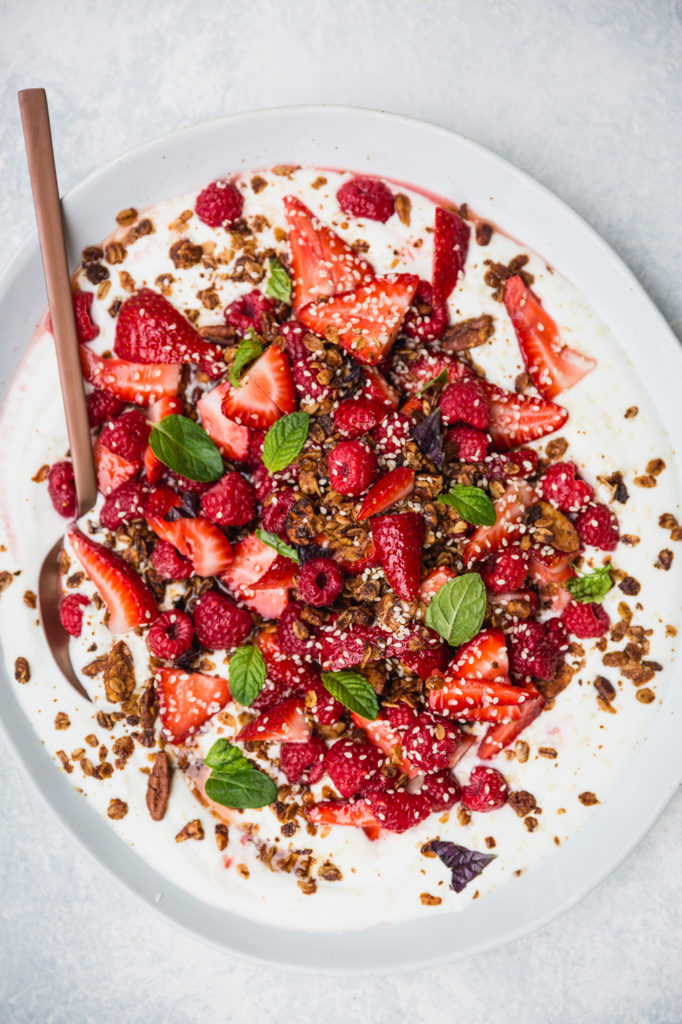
(320, 581)
(561, 485)
(182, 484)
(169, 564)
(170, 635)
(464, 401)
(62, 489)
(126, 503)
(294, 334)
(557, 633)
(71, 613)
(345, 648)
(246, 312)
(327, 709)
(486, 791)
(512, 465)
(426, 320)
(352, 466)
(256, 442)
(264, 482)
(127, 435)
(286, 637)
(219, 624)
(102, 407)
(275, 509)
(159, 503)
(391, 435)
(85, 328)
(598, 527)
(532, 651)
(303, 762)
(401, 716)
(507, 570)
(399, 811)
(468, 444)
(219, 204)
(230, 502)
(308, 387)
(355, 768)
(586, 620)
(430, 742)
(357, 416)
(442, 790)
(366, 197)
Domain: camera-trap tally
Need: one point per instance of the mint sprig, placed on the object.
(185, 447)
(278, 285)
(249, 349)
(353, 691)
(593, 586)
(284, 440)
(234, 781)
(471, 503)
(246, 673)
(280, 546)
(457, 610)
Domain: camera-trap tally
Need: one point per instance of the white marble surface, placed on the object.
(583, 95)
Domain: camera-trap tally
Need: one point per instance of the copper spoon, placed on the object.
(38, 140)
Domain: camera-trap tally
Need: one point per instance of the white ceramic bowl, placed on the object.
(448, 165)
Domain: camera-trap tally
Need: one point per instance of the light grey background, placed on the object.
(586, 97)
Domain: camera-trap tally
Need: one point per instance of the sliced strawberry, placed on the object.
(549, 569)
(480, 700)
(232, 438)
(158, 411)
(187, 700)
(151, 330)
(398, 538)
(509, 510)
(434, 581)
(266, 392)
(131, 382)
(252, 558)
(368, 561)
(129, 600)
(343, 812)
(500, 736)
(553, 367)
(366, 320)
(387, 491)
(450, 250)
(516, 419)
(281, 573)
(153, 467)
(283, 723)
(199, 540)
(484, 657)
(322, 263)
(111, 469)
(378, 389)
(381, 733)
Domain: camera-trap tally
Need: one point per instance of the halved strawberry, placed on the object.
(450, 250)
(343, 812)
(266, 392)
(500, 736)
(129, 600)
(158, 411)
(252, 558)
(283, 723)
(476, 700)
(199, 540)
(381, 733)
(398, 538)
(281, 573)
(368, 561)
(187, 700)
(139, 383)
(549, 569)
(484, 657)
(322, 263)
(378, 389)
(509, 510)
(366, 320)
(516, 419)
(390, 489)
(111, 469)
(232, 438)
(553, 367)
(434, 581)
(151, 330)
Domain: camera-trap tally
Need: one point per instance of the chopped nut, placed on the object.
(587, 799)
(222, 836)
(430, 901)
(550, 526)
(664, 560)
(22, 670)
(62, 720)
(522, 802)
(468, 333)
(403, 207)
(117, 809)
(192, 830)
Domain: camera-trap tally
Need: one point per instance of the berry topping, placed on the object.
(352, 466)
(187, 700)
(357, 416)
(293, 634)
(171, 635)
(518, 464)
(219, 623)
(464, 401)
(275, 508)
(426, 319)
(486, 790)
(586, 620)
(204, 543)
(102, 407)
(391, 436)
(127, 436)
(320, 581)
(124, 505)
(169, 564)
(82, 305)
(399, 811)
(450, 250)
(233, 439)
(71, 612)
(430, 742)
(246, 312)
(442, 790)
(533, 652)
(130, 382)
(467, 444)
(387, 491)
(562, 487)
(516, 419)
(303, 762)
(398, 539)
(401, 715)
(230, 502)
(219, 204)
(507, 570)
(265, 393)
(285, 722)
(598, 527)
(355, 768)
(62, 489)
(366, 197)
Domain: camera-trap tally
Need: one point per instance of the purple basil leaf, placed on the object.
(352, 381)
(429, 436)
(464, 864)
(308, 551)
(188, 509)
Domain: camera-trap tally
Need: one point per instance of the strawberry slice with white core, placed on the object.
(501, 735)
(509, 511)
(388, 491)
(266, 392)
(381, 733)
(129, 600)
(450, 251)
(484, 657)
(231, 438)
(187, 700)
(553, 366)
(284, 723)
(140, 383)
(322, 263)
(111, 469)
(199, 540)
(356, 813)
(252, 559)
(366, 320)
(463, 695)
(516, 419)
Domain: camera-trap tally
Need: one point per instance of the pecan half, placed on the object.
(468, 334)
(158, 786)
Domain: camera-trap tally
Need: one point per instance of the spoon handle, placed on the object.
(38, 140)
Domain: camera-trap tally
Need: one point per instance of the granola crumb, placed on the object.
(631, 412)
(547, 752)
(531, 823)
(645, 695)
(222, 836)
(587, 799)
(62, 720)
(490, 842)
(192, 830)
(117, 809)
(664, 560)
(30, 599)
(22, 670)
(430, 901)
(242, 870)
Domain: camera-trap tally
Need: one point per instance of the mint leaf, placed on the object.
(225, 757)
(282, 548)
(244, 787)
(279, 283)
(185, 447)
(249, 349)
(471, 503)
(440, 379)
(353, 691)
(593, 586)
(284, 440)
(456, 611)
(246, 672)
(463, 864)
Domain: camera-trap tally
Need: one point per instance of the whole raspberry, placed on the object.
(85, 328)
(401, 716)
(327, 709)
(430, 742)
(426, 320)
(308, 387)
(169, 564)
(517, 465)
(320, 581)
(102, 407)
(586, 620)
(486, 790)
(391, 436)
(357, 416)
(71, 613)
(230, 502)
(563, 488)
(170, 635)
(160, 501)
(219, 624)
(366, 197)
(290, 624)
(464, 401)
(532, 651)
(62, 489)
(256, 442)
(246, 312)
(467, 443)
(125, 504)
(127, 435)
(182, 484)
(399, 811)
(303, 762)
(264, 482)
(557, 633)
(426, 663)
(294, 340)
(597, 527)
(355, 768)
(275, 509)
(352, 467)
(507, 570)
(442, 790)
(219, 204)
